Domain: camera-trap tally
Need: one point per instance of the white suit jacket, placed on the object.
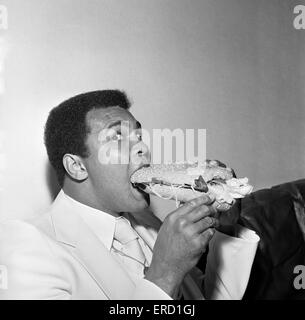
(59, 257)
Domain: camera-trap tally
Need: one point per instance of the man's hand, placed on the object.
(183, 237)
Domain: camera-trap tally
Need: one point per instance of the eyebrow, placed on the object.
(119, 122)
(115, 123)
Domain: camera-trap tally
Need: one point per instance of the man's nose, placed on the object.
(140, 152)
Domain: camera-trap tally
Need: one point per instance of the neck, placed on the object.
(87, 196)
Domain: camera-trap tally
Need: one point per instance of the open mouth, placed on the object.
(139, 193)
(139, 186)
(140, 190)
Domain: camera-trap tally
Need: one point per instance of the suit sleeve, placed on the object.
(32, 271)
(229, 264)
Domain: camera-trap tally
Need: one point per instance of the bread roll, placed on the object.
(183, 182)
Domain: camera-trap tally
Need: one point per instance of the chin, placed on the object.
(138, 204)
(133, 201)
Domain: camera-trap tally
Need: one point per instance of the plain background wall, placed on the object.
(233, 67)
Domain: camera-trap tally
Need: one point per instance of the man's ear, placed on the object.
(75, 167)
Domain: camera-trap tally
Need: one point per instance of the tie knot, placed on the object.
(124, 233)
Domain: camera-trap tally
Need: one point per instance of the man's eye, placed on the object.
(118, 137)
(115, 137)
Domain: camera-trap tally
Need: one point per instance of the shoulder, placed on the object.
(23, 246)
(17, 235)
(32, 240)
(34, 267)
(14, 230)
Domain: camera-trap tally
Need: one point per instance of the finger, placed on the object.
(217, 163)
(214, 163)
(195, 203)
(221, 164)
(221, 206)
(205, 238)
(204, 224)
(200, 213)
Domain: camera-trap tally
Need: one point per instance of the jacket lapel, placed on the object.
(101, 265)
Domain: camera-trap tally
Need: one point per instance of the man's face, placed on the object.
(116, 151)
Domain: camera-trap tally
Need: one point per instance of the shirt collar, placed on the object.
(101, 223)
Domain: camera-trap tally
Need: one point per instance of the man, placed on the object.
(98, 241)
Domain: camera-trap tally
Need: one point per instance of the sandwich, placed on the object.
(185, 181)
